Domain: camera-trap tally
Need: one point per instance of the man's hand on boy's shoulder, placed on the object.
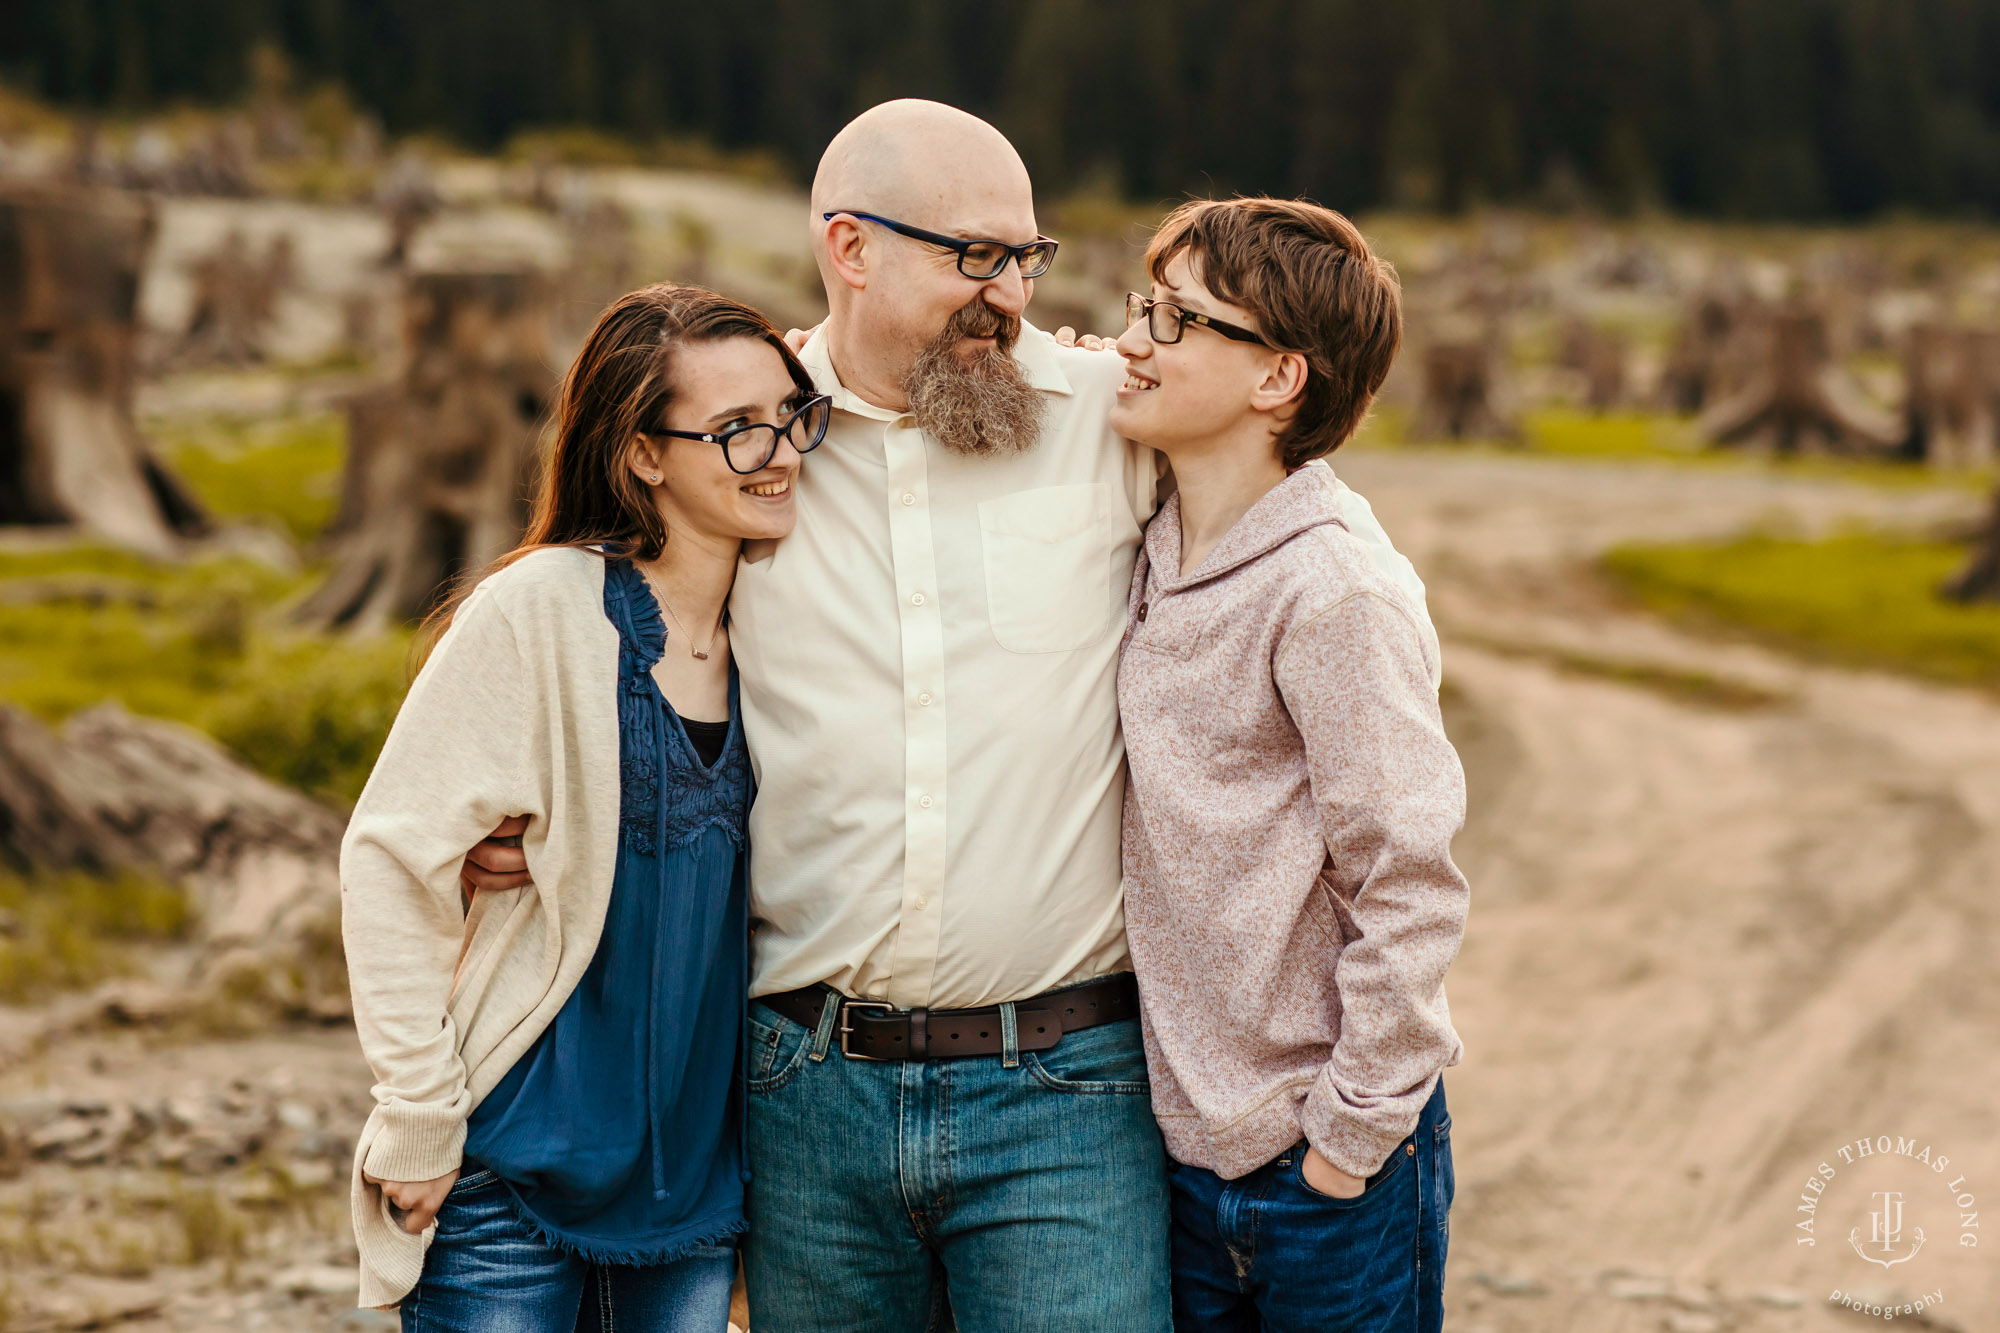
(1092, 342)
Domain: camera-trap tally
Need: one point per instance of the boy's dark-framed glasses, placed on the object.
(978, 260)
(751, 448)
(1167, 321)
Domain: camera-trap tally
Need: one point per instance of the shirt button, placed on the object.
(923, 901)
(1142, 610)
(916, 599)
(924, 699)
(908, 498)
(924, 801)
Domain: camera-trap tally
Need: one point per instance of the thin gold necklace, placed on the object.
(660, 591)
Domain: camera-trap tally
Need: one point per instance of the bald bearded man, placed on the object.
(947, 1092)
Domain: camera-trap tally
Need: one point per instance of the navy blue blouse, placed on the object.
(619, 1132)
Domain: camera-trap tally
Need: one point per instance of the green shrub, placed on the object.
(1858, 598)
(63, 932)
(314, 712)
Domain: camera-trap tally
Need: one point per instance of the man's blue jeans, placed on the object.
(1269, 1252)
(1017, 1196)
(487, 1272)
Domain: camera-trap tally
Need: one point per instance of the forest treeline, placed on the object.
(1745, 108)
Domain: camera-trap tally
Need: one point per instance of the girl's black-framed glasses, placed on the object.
(749, 449)
(1167, 321)
(981, 261)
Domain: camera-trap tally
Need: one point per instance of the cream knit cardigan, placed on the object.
(514, 713)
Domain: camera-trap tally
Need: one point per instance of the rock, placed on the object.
(1520, 1284)
(1689, 1321)
(89, 1152)
(1779, 1298)
(58, 1135)
(114, 792)
(317, 1280)
(1688, 1296)
(1637, 1287)
(88, 1302)
(304, 1173)
(298, 1116)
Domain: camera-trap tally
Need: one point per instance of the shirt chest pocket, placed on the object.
(1048, 567)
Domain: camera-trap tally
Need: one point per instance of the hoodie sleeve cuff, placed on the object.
(415, 1143)
(1339, 1132)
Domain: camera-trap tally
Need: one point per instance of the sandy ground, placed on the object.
(1709, 945)
(1712, 943)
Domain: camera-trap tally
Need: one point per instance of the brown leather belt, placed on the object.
(873, 1030)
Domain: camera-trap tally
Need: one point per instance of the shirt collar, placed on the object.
(1305, 499)
(1035, 352)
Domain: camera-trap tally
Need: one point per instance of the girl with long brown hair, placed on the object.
(556, 1139)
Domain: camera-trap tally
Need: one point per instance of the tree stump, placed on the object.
(235, 300)
(1797, 397)
(1598, 356)
(438, 460)
(1952, 395)
(1700, 368)
(70, 450)
(1457, 401)
(1979, 581)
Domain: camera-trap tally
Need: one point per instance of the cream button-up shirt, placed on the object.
(929, 690)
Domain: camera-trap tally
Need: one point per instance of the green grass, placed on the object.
(287, 469)
(205, 644)
(1703, 689)
(62, 932)
(1658, 437)
(1578, 434)
(1858, 599)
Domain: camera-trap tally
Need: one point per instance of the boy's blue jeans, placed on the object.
(1269, 1252)
(1034, 1194)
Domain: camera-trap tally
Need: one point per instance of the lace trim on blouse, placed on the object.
(695, 797)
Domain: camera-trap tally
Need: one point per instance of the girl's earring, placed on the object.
(656, 478)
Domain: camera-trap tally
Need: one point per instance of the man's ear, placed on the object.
(1284, 380)
(847, 251)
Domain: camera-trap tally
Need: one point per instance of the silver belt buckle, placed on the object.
(847, 1009)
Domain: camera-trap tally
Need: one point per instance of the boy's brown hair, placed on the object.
(1316, 288)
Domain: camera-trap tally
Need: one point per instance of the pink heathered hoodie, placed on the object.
(1289, 890)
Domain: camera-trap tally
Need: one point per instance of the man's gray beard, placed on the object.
(983, 405)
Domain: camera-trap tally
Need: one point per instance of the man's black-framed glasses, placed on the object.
(1167, 321)
(751, 448)
(978, 260)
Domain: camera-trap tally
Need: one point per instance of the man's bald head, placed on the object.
(903, 319)
(927, 164)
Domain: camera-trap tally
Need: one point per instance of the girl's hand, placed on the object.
(1329, 1179)
(498, 862)
(418, 1200)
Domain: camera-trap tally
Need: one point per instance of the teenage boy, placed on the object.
(1290, 897)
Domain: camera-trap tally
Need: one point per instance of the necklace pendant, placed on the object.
(699, 655)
